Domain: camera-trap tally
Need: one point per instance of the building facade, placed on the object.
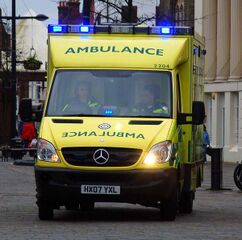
(184, 13)
(31, 40)
(222, 29)
(5, 76)
(220, 22)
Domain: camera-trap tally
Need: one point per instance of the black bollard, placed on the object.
(216, 168)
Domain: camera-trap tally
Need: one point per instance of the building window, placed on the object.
(37, 91)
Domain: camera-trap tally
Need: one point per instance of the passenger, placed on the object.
(151, 103)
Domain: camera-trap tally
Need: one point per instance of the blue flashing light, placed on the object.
(84, 29)
(57, 29)
(195, 51)
(108, 112)
(165, 30)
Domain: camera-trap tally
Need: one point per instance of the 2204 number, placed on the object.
(161, 66)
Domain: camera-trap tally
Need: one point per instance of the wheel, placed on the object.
(87, 206)
(168, 208)
(45, 212)
(238, 176)
(186, 202)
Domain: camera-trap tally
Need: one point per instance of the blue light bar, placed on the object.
(113, 29)
(57, 28)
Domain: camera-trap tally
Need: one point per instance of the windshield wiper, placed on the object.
(73, 115)
(80, 115)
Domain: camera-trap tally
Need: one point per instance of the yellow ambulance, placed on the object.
(122, 121)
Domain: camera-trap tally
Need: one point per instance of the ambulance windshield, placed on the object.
(113, 93)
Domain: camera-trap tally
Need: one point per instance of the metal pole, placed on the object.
(13, 77)
(130, 11)
(107, 10)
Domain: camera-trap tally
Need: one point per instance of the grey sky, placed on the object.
(49, 7)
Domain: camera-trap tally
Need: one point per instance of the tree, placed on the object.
(116, 11)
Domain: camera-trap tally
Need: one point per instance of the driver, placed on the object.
(82, 103)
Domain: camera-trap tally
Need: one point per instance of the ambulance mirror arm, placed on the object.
(196, 117)
(27, 112)
(198, 112)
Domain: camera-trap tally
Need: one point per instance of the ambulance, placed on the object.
(122, 120)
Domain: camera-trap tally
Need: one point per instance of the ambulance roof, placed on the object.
(115, 50)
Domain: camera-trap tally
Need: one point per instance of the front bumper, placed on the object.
(147, 187)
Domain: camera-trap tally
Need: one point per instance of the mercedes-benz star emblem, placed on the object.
(101, 156)
(104, 126)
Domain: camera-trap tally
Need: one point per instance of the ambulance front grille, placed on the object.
(104, 157)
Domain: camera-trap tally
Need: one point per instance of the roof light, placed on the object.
(84, 29)
(57, 29)
(121, 29)
(165, 30)
(81, 29)
(183, 30)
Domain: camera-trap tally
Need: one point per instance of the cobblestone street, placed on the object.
(130, 101)
(216, 215)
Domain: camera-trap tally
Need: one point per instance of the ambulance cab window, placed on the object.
(112, 93)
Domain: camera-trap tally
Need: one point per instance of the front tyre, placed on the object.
(45, 212)
(238, 176)
(168, 208)
(186, 202)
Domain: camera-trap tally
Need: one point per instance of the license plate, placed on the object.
(100, 189)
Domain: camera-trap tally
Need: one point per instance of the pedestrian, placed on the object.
(206, 143)
(28, 133)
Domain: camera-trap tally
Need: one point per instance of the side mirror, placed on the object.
(196, 117)
(198, 112)
(25, 110)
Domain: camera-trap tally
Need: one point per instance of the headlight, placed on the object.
(159, 153)
(46, 151)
